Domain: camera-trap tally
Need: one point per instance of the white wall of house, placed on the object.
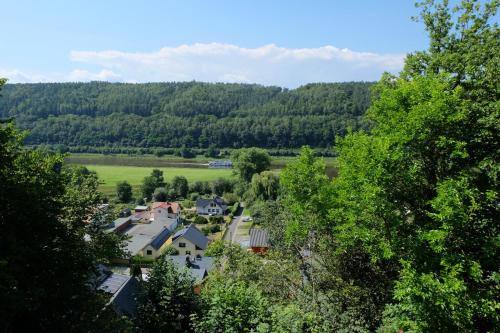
(211, 208)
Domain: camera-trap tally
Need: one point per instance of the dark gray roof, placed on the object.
(161, 239)
(198, 268)
(113, 283)
(192, 234)
(203, 202)
(259, 238)
(125, 300)
(124, 291)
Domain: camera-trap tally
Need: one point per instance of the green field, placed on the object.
(109, 175)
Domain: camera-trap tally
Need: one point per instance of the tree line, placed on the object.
(189, 114)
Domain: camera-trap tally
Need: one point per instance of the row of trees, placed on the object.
(97, 114)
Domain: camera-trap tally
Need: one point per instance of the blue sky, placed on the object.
(286, 43)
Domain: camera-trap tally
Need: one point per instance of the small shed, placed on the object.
(259, 240)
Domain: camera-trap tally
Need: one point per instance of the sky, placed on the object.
(271, 42)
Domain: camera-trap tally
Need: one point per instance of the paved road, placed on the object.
(231, 233)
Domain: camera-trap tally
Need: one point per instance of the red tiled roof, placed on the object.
(166, 205)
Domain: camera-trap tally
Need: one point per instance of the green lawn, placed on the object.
(109, 175)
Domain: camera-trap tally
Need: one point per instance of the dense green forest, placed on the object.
(190, 114)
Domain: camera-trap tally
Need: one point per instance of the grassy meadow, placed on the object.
(109, 175)
(112, 169)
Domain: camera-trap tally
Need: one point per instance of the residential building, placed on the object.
(197, 266)
(213, 206)
(123, 291)
(259, 241)
(149, 229)
(190, 241)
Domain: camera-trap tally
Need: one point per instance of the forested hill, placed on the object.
(191, 113)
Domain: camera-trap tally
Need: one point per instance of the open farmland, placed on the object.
(109, 175)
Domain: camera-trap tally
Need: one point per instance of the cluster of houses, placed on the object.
(151, 230)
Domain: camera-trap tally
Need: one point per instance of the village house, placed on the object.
(198, 267)
(190, 241)
(123, 291)
(149, 230)
(213, 206)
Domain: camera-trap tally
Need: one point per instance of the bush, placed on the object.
(230, 198)
(194, 196)
(170, 251)
(188, 204)
(235, 208)
(215, 228)
(216, 219)
(189, 214)
(200, 220)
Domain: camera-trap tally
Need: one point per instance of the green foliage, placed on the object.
(163, 194)
(265, 186)
(200, 220)
(305, 195)
(171, 251)
(180, 186)
(215, 249)
(124, 192)
(248, 162)
(168, 300)
(221, 185)
(152, 182)
(231, 306)
(189, 114)
(216, 219)
(421, 189)
(45, 261)
(230, 198)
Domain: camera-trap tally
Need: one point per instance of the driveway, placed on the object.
(231, 232)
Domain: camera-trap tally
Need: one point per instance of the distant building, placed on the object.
(220, 164)
(140, 208)
(259, 241)
(214, 206)
(190, 241)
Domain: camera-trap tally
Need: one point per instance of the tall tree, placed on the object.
(180, 186)
(151, 182)
(248, 162)
(168, 301)
(45, 261)
(124, 192)
(422, 188)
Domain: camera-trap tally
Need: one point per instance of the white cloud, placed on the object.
(268, 64)
(218, 62)
(15, 75)
(80, 75)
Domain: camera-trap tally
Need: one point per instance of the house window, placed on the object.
(188, 253)
(182, 244)
(149, 252)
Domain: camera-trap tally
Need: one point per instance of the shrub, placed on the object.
(200, 220)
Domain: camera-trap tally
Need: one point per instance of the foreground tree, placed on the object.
(422, 188)
(168, 300)
(45, 262)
